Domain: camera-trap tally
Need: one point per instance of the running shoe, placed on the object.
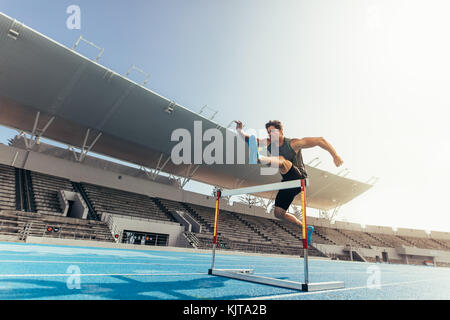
(309, 234)
(254, 153)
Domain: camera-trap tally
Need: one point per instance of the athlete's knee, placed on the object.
(285, 165)
(281, 161)
(280, 213)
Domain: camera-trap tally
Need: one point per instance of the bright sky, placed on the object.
(371, 77)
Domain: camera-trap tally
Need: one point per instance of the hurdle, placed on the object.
(247, 274)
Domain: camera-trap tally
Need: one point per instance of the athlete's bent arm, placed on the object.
(305, 143)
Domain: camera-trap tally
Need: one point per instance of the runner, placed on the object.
(289, 161)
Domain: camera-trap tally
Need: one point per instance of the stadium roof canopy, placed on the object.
(48, 90)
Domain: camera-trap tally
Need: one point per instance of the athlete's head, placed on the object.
(275, 130)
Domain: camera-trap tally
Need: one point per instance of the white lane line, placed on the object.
(205, 265)
(199, 264)
(159, 263)
(97, 275)
(300, 273)
(107, 262)
(98, 257)
(281, 296)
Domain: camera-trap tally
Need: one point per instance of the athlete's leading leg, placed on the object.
(280, 213)
(280, 162)
(287, 196)
(283, 201)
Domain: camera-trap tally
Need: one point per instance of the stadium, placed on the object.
(92, 207)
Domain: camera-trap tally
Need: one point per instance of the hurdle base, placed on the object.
(321, 286)
(246, 275)
(241, 271)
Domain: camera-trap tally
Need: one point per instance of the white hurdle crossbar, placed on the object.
(247, 274)
(263, 188)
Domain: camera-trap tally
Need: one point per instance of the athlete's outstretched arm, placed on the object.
(261, 142)
(305, 143)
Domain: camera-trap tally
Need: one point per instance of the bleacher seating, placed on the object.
(391, 241)
(337, 237)
(229, 227)
(269, 229)
(361, 238)
(7, 188)
(203, 215)
(46, 190)
(15, 223)
(113, 201)
(423, 243)
(236, 231)
(444, 243)
(373, 240)
(205, 240)
(172, 205)
(318, 237)
(248, 233)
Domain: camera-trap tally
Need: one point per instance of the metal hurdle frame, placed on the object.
(247, 274)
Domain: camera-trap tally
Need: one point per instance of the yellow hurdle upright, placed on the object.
(304, 231)
(304, 225)
(216, 227)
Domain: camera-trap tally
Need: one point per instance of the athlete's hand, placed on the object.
(338, 161)
(238, 125)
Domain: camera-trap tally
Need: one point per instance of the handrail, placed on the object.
(113, 228)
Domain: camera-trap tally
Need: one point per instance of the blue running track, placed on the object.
(49, 272)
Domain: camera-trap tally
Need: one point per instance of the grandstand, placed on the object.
(134, 203)
(48, 193)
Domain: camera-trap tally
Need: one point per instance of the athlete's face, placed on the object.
(274, 134)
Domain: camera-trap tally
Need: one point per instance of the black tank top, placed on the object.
(288, 153)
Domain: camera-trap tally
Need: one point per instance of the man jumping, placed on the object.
(290, 163)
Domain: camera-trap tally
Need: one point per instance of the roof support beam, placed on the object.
(238, 183)
(154, 173)
(85, 149)
(335, 212)
(36, 133)
(189, 174)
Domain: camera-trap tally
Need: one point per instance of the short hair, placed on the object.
(274, 123)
